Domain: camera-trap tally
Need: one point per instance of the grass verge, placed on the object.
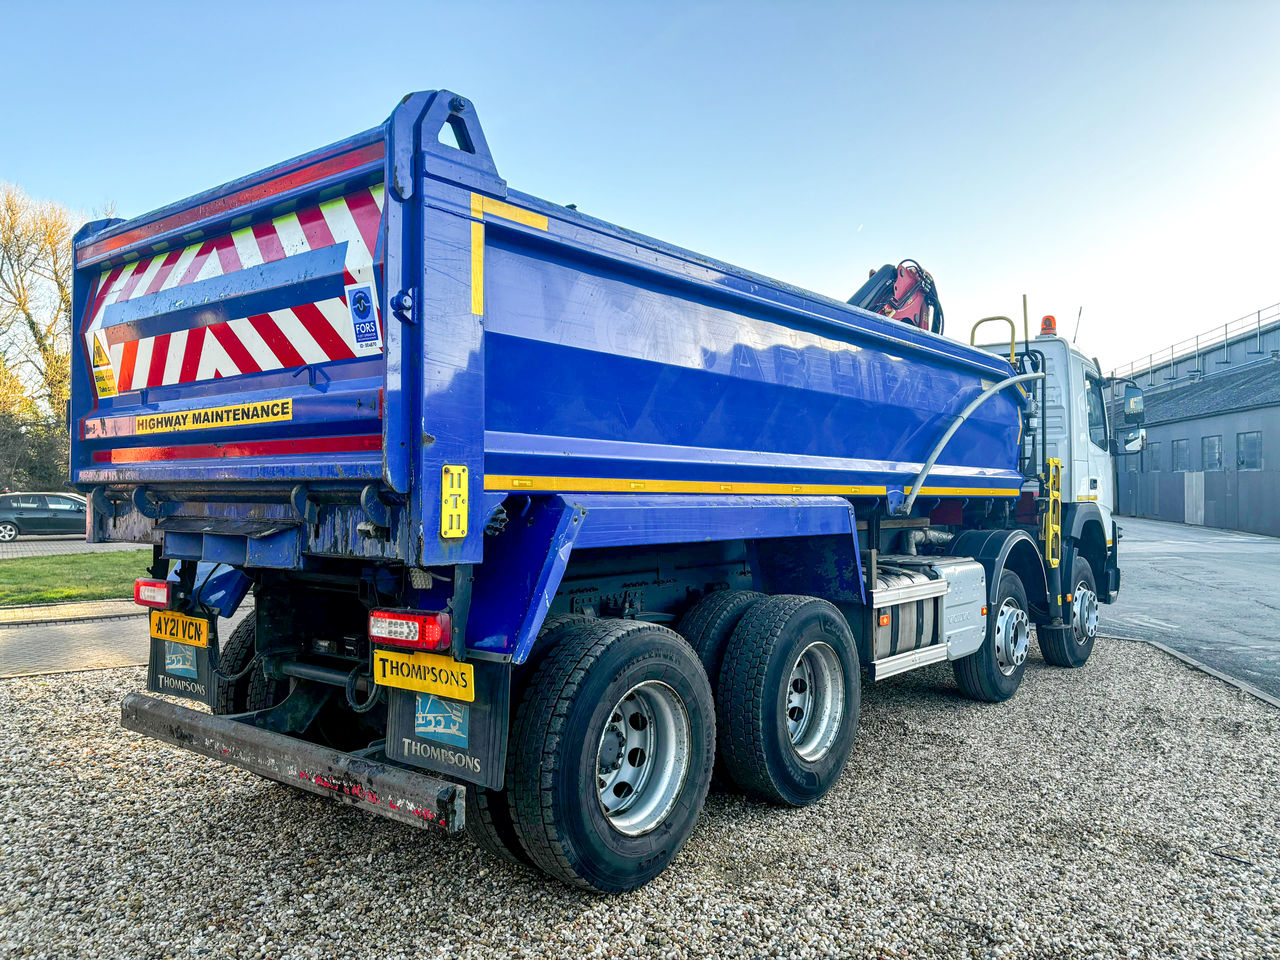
(79, 576)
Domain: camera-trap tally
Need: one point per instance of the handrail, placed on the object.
(1013, 336)
(973, 405)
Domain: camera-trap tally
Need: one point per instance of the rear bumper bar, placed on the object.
(371, 784)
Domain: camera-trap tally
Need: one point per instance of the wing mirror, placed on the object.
(1133, 404)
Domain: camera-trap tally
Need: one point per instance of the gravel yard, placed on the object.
(1126, 809)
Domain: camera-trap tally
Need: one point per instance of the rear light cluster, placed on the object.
(410, 628)
(151, 593)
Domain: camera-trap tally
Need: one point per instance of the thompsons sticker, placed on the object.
(203, 418)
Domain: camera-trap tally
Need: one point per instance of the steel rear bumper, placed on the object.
(371, 784)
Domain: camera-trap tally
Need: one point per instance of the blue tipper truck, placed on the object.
(538, 521)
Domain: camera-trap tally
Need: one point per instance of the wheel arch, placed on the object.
(1088, 538)
(1000, 550)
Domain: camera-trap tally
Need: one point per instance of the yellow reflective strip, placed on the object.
(1090, 496)
(480, 205)
(477, 268)
(614, 485)
(506, 211)
(964, 492)
(627, 485)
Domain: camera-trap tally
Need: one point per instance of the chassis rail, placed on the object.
(369, 783)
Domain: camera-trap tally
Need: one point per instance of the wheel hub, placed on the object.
(1012, 637)
(1084, 613)
(643, 757)
(815, 701)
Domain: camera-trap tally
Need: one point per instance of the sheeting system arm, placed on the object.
(973, 405)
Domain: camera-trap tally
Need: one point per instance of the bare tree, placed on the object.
(35, 296)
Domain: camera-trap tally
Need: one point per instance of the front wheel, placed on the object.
(1073, 649)
(993, 672)
(613, 745)
(8, 532)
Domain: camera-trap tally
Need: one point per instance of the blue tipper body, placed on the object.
(605, 387)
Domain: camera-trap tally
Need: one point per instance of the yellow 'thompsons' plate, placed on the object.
(167, 625)
(425, 673)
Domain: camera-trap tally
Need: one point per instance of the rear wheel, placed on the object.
(255, 690)
(994, 671)
(1072, 650)
(8, 532)
(613, 746)
(788, 699)
(489, 812)
(707, 626)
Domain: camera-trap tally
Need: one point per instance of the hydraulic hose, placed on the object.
(973, 405)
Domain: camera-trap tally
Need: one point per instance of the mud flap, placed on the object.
(463, 740)
(181, 669)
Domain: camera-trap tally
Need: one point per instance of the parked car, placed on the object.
(22, 514)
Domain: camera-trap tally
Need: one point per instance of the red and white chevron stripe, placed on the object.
(302, 334)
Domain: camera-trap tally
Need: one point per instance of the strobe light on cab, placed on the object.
(413, 629)
(152, 593)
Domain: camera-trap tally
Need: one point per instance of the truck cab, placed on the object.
(1068, 423)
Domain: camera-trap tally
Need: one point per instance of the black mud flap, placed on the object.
(463, 740)
(179, 669)
(368, 782)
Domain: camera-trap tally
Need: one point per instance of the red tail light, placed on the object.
(151, 593)
(410, 628)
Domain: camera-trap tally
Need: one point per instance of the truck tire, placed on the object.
(255, 690)
(1072, 650)
(613, 746)
(788, 699)
(992, 672)
(488, 821)
(709, 623)
(707, 626)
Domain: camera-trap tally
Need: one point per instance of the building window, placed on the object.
(1181, 458)
(1249, 450)
(1153, 457)
(1211, 453)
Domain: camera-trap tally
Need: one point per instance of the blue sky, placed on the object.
(1120, 157)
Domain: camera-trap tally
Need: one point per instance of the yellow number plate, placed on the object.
(425, 673)
(167, 625)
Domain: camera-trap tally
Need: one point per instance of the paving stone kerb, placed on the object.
(77, 610)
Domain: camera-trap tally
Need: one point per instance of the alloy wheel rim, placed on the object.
(643, 757)
(1013, 636)
(7, 533)
(815, 701)
(1084, 613)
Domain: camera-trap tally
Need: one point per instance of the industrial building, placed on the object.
(1212, 454)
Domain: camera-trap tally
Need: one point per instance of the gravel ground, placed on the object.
(1128, 809)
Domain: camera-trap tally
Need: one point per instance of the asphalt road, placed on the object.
(1211, 594)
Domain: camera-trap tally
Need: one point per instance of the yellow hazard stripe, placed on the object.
(623, 485)
(480, 207)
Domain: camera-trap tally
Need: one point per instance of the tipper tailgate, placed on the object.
(237, 335)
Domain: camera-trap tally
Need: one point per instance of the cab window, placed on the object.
(1097, 411)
